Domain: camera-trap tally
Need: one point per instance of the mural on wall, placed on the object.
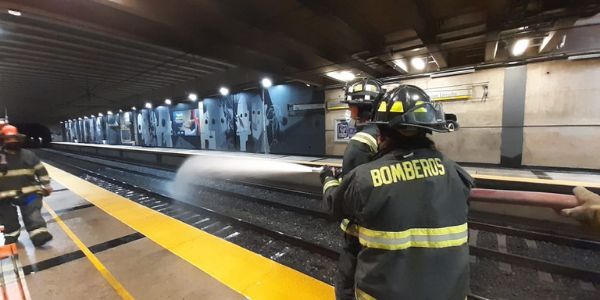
(164, 128)
(113, 134)
(147, 127)
(217, 126)
(100, 129)
(185, 122)
(289, 119)
(126, 125)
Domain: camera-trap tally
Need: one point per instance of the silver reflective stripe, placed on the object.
(39, 166)
(37, 231)
(415, 237)
(13, 234)
(44, 178)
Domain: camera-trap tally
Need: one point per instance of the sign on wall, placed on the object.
(344, 131)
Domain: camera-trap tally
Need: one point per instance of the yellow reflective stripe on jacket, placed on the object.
(38, 166)
(367, 139)
(415, 237)
(31, 189)
(18, 172)
(348, 228)
(330, 183)
(361, 295)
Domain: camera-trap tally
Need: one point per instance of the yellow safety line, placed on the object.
(114, 283)
(242, 270)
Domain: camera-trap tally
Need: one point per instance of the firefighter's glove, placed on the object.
(47, 190)
(588, 210)
(327, 171)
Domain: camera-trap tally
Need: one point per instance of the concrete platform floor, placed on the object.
(146, 270)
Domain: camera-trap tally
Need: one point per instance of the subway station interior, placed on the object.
(300, 149)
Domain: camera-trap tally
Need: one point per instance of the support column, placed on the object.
(513, 116)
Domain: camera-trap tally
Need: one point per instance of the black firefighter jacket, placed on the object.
(409, 212)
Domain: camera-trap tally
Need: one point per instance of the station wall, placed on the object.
(561, 115)
(232, 123)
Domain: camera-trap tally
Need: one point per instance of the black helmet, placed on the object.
(409, 106)
(363, 91)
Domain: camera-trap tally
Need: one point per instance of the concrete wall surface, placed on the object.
(562, 114)
(561, 125)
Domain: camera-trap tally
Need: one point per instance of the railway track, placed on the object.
(500, 252)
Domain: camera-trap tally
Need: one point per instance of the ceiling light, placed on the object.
(418, 63)
(100, 115)
(133, 108)
(266, 82)
(224, 91)
(519, 47)
(14, 12)
(168, 101)
(148, 105)
(308, 84)
(192, 97)
(92, 116)
(401, 63)
(109, 112)
(120, 110)
(341, 75)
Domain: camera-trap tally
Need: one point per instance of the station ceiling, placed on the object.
(65, 58)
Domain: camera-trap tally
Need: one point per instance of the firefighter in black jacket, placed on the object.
(23, 181)
(408, 207)
(360, 96)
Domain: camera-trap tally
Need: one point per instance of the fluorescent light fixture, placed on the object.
(584, 56)
(452, 73)
(14, 12)
(148, 105)
(92, 116)
(80, 119)
(266, 82)
(192, 97)
(308, 84)
(168, 101)
(133, 108)
(224, 91)
(120, 110)
(519, 47)
(401, 63)
(341, 75)
(109, 112)
(418, 63)
(100, 115)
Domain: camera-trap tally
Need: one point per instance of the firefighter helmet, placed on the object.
(9, 131)
(363, 91)
(408, 106)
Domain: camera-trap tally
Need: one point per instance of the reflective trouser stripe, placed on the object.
(415, 237)
(361, 295)
(13, 234)
(367, 139)
(331, 183)
(39, 166)
(37, 231)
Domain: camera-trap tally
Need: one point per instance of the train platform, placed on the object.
(106, 246)
(538, 179)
